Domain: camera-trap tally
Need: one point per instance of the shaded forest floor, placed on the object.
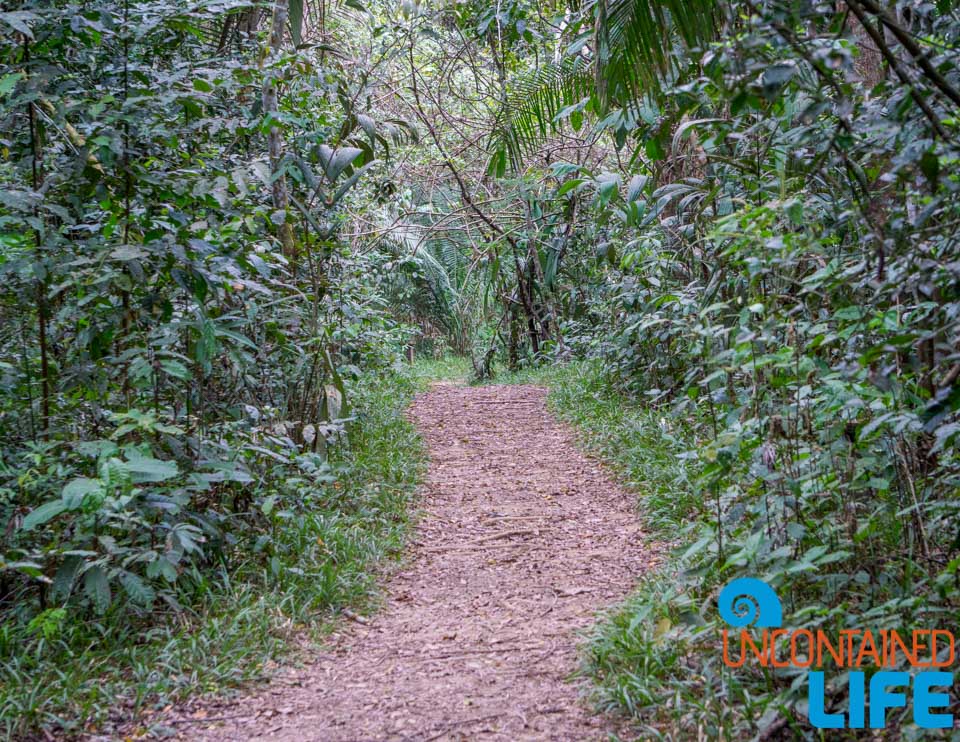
(522, 538)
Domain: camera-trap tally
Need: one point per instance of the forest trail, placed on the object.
(522, 539)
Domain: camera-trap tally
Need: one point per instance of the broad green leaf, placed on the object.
(569, 186)
(145, 469)
(334, 162)
(97, 588)
(9, 82)
(295, 9)
(139, 591)
(77, 489)
(42, 514)
(20, 20)
(65, 577)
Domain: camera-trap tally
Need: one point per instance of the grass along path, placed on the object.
(522, 539)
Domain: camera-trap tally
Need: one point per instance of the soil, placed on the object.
(522, 539)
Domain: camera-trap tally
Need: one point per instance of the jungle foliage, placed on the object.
(223, 224)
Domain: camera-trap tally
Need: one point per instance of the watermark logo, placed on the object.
(748, 601)
(748, 604)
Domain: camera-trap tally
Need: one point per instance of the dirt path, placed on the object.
(523, 538)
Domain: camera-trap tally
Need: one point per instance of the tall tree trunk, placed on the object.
(42, 314)
(281, 198)
(225, 32)
(513, 352)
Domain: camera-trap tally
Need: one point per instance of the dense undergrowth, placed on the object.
(200, 413)
(67, 675)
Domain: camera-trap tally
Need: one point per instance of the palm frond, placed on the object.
(532, 106)
(635, 43)
(441, 273)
